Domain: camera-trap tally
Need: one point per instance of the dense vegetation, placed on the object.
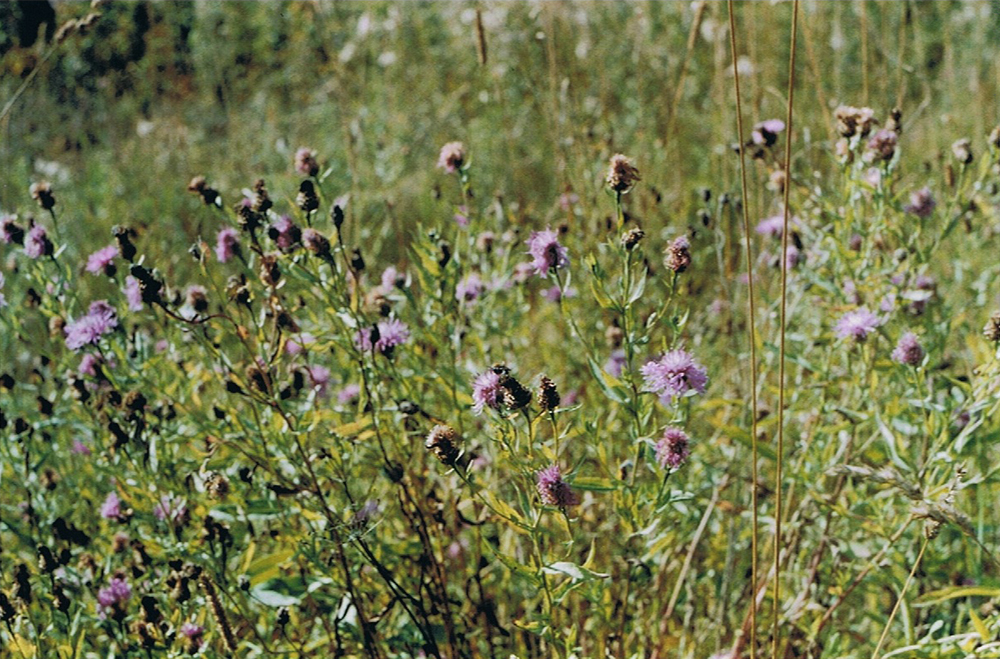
(335, 329)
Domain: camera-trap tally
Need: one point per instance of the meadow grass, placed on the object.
(424, 367)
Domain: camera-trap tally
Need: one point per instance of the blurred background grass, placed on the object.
(121, 117)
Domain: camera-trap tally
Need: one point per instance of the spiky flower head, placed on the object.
(316, 242)
(921, 203)
(285, 233)
(442, 442)
(384, 337)
(10, 230)
(673, 375)
(307, 200)
(992, 328)
(554, 491)
(548, 394)
(37, 243)
(103, 261)
(673, 448)
(470, 288)
(766, 132)
(908, 351)
(854, 121)
(487, 392)
(42, 193)
(227, 244)
(622, 174)
(305, 162)
(678, 256)
(632, 238)
(452, 157)
(546, 252)
(99, 320)
(962, 150)
(857, 324)
(881, 146)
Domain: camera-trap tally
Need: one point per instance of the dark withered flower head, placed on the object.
(622, 174)
(442, 442)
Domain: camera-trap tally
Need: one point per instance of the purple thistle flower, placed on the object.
(305, 162)
(673, 375)
(37, 243)
(553, 490)
(616, 363)
(470, 288)
(88, 365)
(88, 329)
(462, 217)
(858, 324)
(298, 344)
(908, 351)
(766, 132)
(79, 448)
(285, 233)
(170, 509)
(487, 392)
(921, 203)
(391, 333)
(320, 376)
(452, 157)
(133, 293)
(227, 244)
(881, 146)
(673, 448)
(111, 508)
(118, 592)
(391, 278)
(194, 634)
(348, 394)
(10, 232)
(103, 260)
(546, 252)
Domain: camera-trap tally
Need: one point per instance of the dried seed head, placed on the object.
(357, 261)
(995, 138)
(895, 122)
(992, 328)
(149, 286)
(259, 378)
(442, 442)
(548, 395)
(216, 485)
(678, 256)
(622, 174)
(881, 146)
(307, 199)
(199, 187)
(854, 121)
(42, 193)
(196, 297)
(515, 396)
(632, 238)
(270, 273)
(962, 150)
(123, 236)
(316, 242)
(261, 201)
